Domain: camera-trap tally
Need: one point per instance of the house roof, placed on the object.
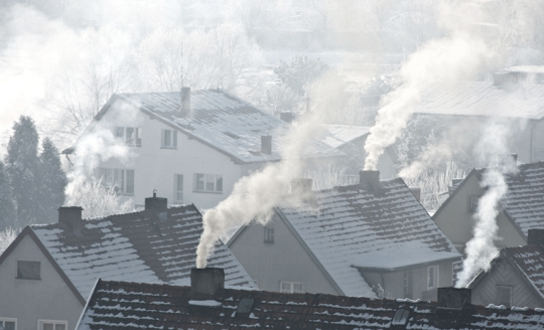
(528, 260)
(135, 246)
(481, 98)
(222, 121)
(349, 227)
(338, 135)
(120, 305)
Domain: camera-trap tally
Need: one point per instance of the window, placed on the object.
(8, 323)
(178, 187)
(169, 139)
(290, 287)
(268, 235)
(504, 295)
(121, 180)
(52, 325)
(408, 284)
(473, 203)
(432, 277)
(208, 182)
(28, 270)
(132, 136)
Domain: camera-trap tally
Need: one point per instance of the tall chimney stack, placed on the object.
(185, 107)
(71, 216)
(370, 180)
(158, 205)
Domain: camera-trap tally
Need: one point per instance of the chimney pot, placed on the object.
(370, 180)
(266, 144)
(535, 236)
(185, 107)
(206, 281)
(71, 216)
(454, 298)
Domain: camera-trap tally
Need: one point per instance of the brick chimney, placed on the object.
(266, 144)
(206, 281)
(158, 205)
(370, 180)
(185, 107)
(71, 217)
(453, 298)
(535, 236)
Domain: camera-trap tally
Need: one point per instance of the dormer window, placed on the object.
(132, 136)
(169, 139)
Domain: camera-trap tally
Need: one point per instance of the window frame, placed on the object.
(473, 203)
(291, 287)
(172, 142)
(500, 288)
(132, 140)
(177, 191)
(436, 274)
(408, 284)
(120, 179)
(269, 235)
(42, 322)
(202, 181)
(38, 278)
(3, 321)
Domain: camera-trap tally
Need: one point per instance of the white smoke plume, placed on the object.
(460, 55)
(480, 249)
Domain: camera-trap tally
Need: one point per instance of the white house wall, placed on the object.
(155, 166)
(285, 260)
(31, 300)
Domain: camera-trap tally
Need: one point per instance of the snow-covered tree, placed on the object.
(53, 181)
(7, 235)
(7, 208)
(298, 73)
(96, 199)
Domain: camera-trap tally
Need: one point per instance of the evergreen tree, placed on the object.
(52, 181)
(7, 209)
(22, 168)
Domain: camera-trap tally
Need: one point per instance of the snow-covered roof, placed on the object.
(529, 260)
(481, 98)
(223, 122)
(136, 247)
(350, 227)
(338, 135)
(120, 305)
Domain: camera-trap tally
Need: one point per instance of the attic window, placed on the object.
(232, 135)
(245, 306)
(401, 317)
(28, 270)
(268, 235)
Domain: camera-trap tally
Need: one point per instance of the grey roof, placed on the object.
(136, 247)
(338, 135)
(349, 227)
(223, 122)
(481, 98)
(120, 305)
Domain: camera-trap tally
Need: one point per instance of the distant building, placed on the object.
(192, 147)
(509, 101)
(369, 239)
(520, 210)
(49, 271)
(205, 305)
(351, 140)
(516, 276)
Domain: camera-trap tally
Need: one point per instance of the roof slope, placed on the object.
(118, 305)
(481, 98)
(523, 201)
(136, 247)
(529, 260)
(224, 122)
(353, 227)
(338, 135)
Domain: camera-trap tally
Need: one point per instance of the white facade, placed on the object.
(208, 176)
